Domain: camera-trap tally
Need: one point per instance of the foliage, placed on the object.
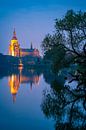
(73, 30)
(68, 42)
(70, 36)
(53, 50)
(67, 105)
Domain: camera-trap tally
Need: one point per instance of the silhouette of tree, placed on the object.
(70, 35)
(66, 104)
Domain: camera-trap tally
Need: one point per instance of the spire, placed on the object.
(14, 35)
(31, 46)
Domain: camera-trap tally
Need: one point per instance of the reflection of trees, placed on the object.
(67, 106)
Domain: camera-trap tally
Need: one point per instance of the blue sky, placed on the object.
(32, 19)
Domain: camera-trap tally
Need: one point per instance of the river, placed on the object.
(20, 102)
(33, 99)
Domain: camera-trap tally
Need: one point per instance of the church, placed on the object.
(17, 51)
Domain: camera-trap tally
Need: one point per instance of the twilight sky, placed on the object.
(32, 19)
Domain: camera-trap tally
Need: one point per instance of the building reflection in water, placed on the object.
(14, 81)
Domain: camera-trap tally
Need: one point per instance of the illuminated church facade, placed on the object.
(17, 51)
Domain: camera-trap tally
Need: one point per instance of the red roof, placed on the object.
(14, 38)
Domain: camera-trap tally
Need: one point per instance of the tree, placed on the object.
(65, 102)
(53, 51)
(73, 30)
(71, 35)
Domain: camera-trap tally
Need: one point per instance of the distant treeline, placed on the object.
(7, 61)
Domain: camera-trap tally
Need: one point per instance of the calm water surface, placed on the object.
(36, 99)
(20, 102)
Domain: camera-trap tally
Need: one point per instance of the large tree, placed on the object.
(65, 104)
(70, 33)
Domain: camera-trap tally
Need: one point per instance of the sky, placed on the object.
(32, 19)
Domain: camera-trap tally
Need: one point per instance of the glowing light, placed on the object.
(15, 81)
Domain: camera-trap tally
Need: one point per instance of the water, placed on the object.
(36, 99)
(20, 101)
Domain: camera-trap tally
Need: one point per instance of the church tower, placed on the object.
(14, 47)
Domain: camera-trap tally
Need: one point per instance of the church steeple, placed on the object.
(31, 46)
(14, 32)
(14, 35)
